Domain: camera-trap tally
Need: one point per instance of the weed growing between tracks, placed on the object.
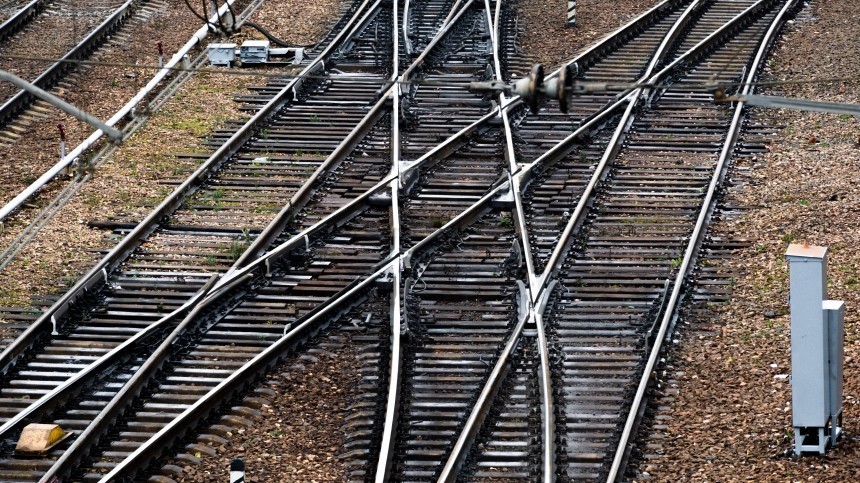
(141, 173)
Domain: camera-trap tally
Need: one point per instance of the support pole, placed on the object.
(237, 470)
(571, 13)
(60, 104)
(62, 141)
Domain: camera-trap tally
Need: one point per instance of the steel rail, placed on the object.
(74, 384)
(23, 16)
(548, 447)
(483, 404)
(445, 147)
(365, 22)
(99, 273)
(399, 323)
(395, 371)
(124, 111)
(133, 387)
(451, 20)
(450, 472)
(207, 296)
(614, 145)
(233, 384)
(695, 241)
(451, 12)
(494, 21)
(22, 99)
(64, 465)
(395, 377)
(407, 43)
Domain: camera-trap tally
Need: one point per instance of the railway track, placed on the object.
(528, 265)
(216, 222)
(132, 118)
(69, 30)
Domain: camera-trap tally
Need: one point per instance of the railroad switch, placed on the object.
(817, 334)
(38, 439)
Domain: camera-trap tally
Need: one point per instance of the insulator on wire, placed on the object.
(535, 86)
(560, 87)
(529, 88)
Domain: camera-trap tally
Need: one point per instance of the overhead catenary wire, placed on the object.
(580, 86)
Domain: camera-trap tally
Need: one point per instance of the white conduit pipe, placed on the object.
(159, 76)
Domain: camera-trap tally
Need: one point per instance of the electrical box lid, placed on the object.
(256, 44)
(805, 251)
(221, 46)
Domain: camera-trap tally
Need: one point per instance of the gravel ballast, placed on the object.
(548, 41)
(731, 418)
(98, 89)
(137, 173)
(135, 176)
(299, 436)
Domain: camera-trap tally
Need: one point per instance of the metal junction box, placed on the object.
(254, 51)
(222, 54)
(298, 53)
(816, 352)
